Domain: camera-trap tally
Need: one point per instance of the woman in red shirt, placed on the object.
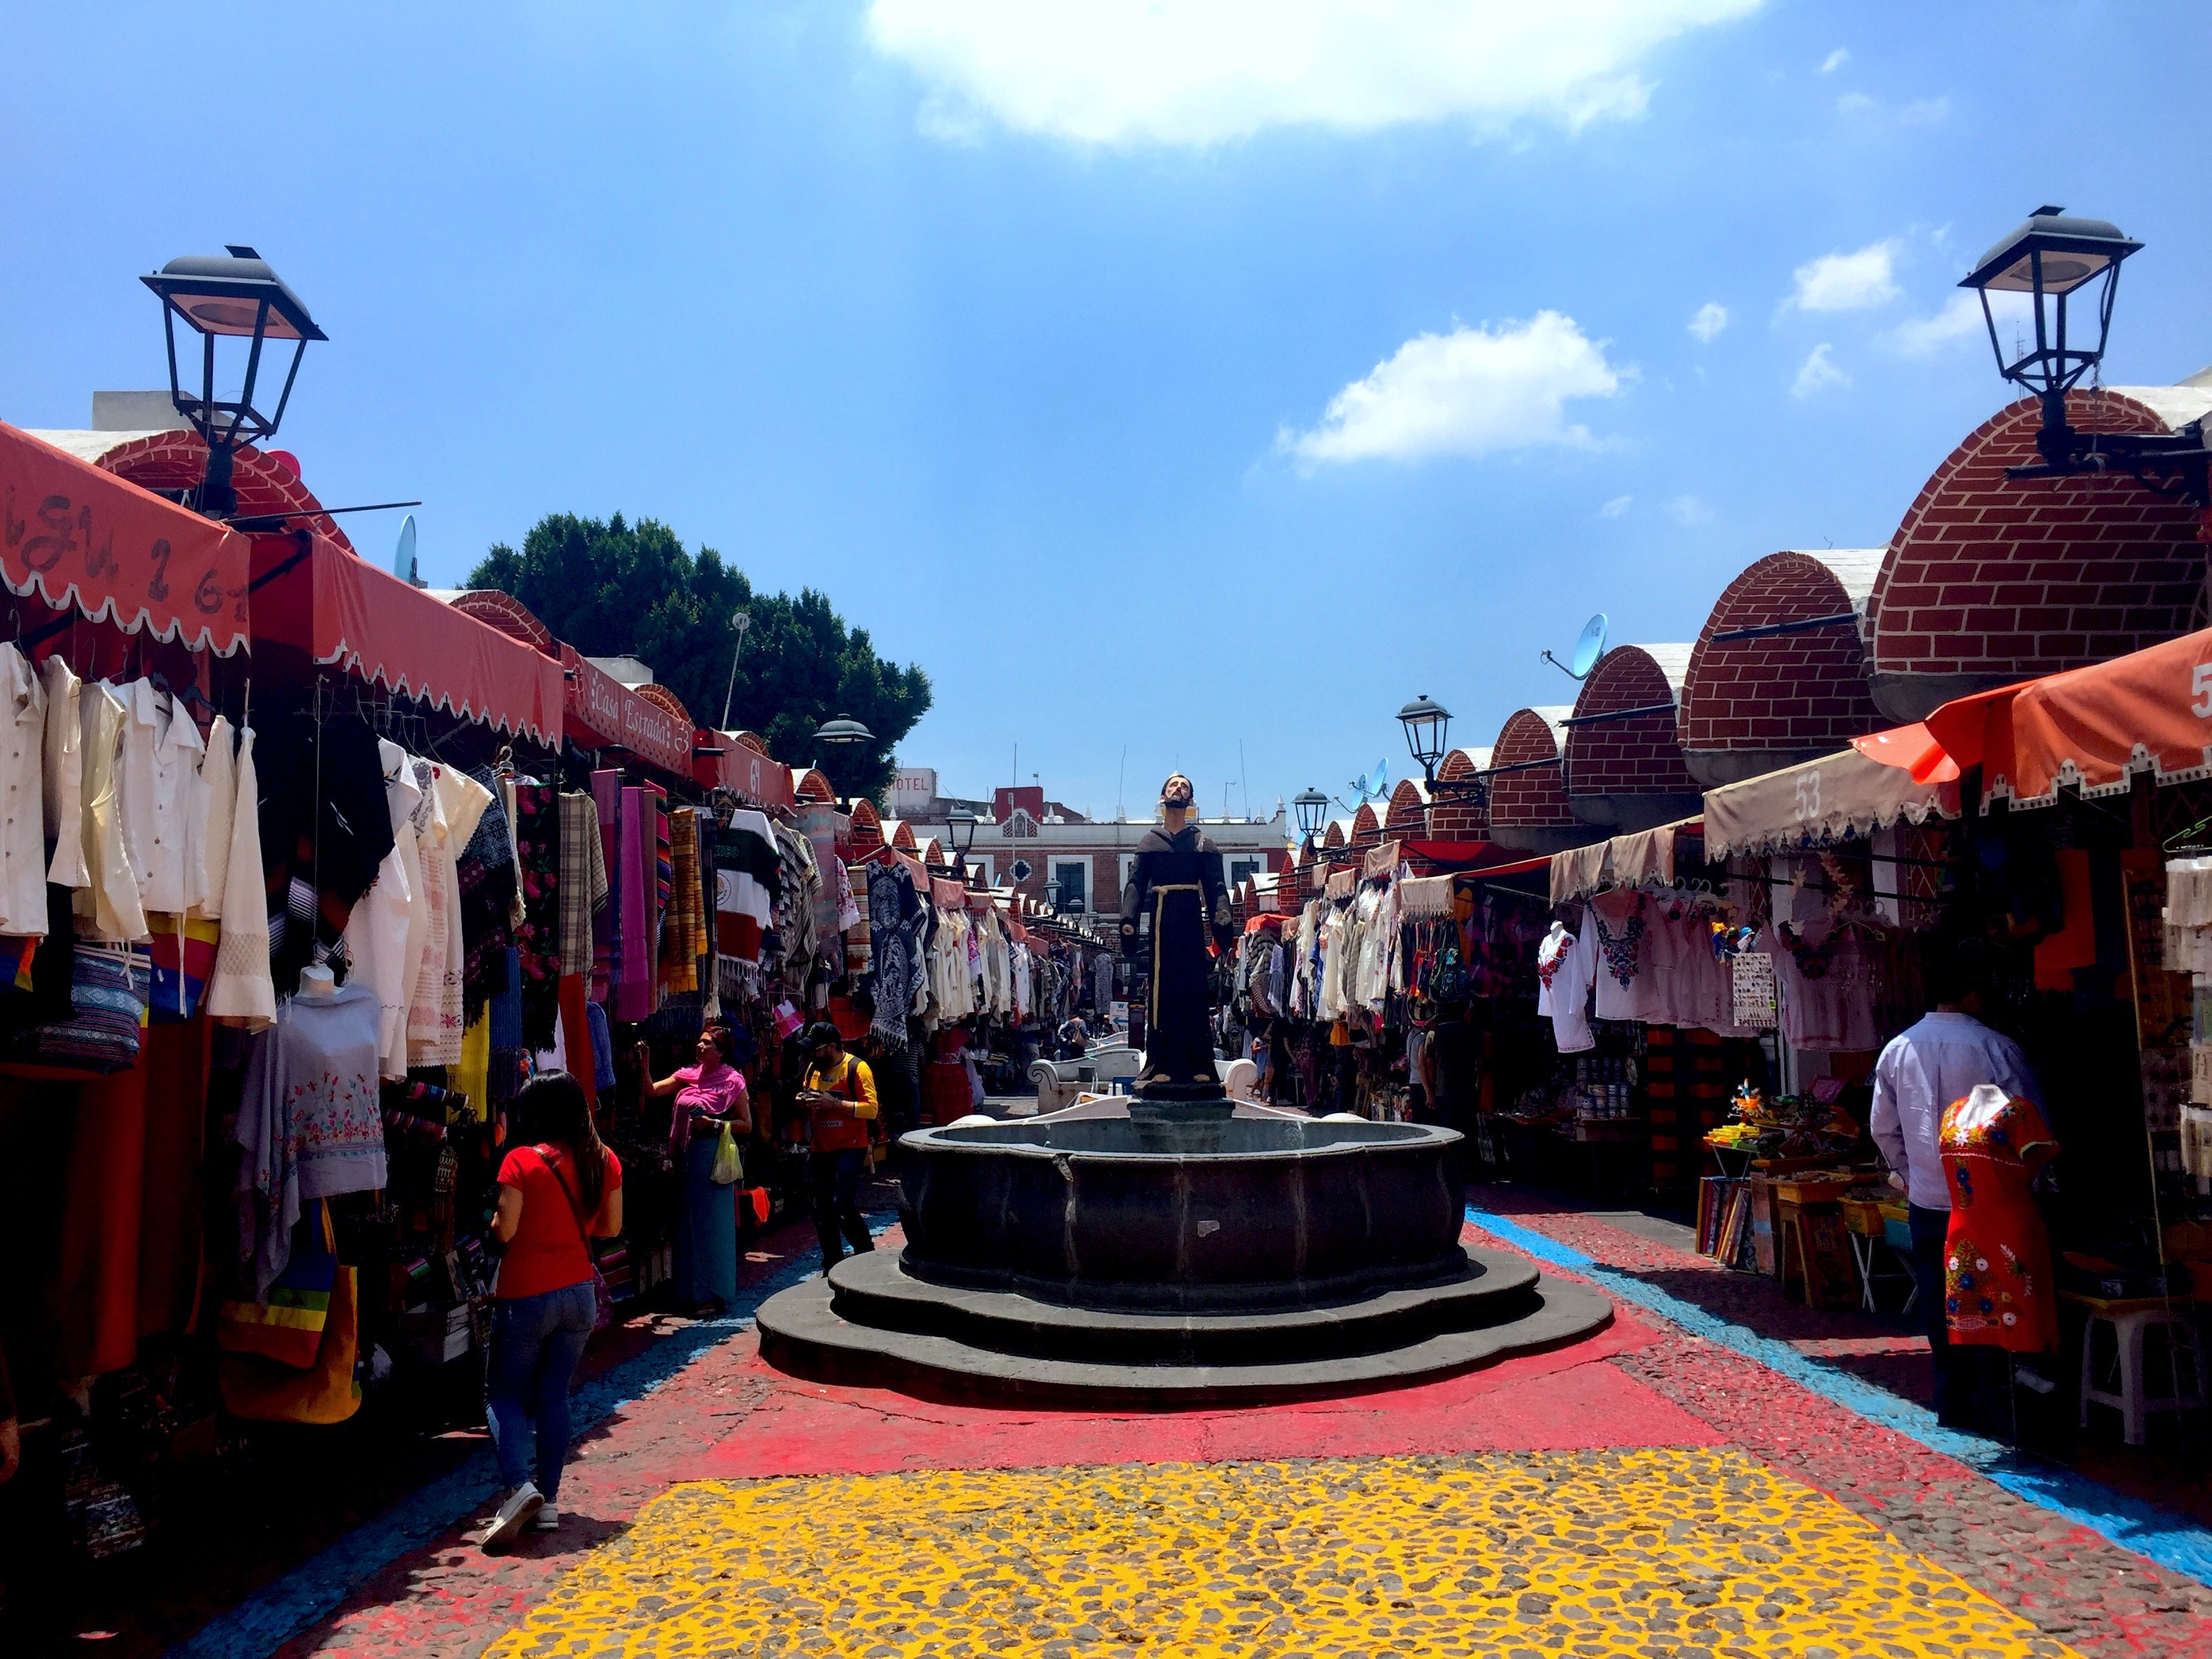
(552, 1196)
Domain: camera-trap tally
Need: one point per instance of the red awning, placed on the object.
(599, 711)
(84, 539)
(341, 610)
(742, 769)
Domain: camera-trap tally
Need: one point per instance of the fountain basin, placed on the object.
(1214, 1214)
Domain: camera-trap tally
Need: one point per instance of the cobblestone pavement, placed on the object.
(1652, 1493)
(1658, 1550)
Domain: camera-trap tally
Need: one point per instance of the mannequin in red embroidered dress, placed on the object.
(1998, 1286)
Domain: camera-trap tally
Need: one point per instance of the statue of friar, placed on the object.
(1175, 879)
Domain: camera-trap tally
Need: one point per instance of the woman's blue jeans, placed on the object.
(536, 1341)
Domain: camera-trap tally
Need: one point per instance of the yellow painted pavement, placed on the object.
(1645, 1552)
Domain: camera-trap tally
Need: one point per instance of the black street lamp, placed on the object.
(2052, 257)
(1312, 809)
(1425, 724)
(236, 296)
(960, 826)
(843, 735)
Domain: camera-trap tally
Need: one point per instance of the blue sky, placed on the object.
(1162, 380)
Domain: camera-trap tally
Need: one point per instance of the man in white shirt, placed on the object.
(1923, 1069)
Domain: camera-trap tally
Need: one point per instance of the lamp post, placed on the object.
(2053, 258)
(1052, 896)
(230, 295)
(1312, 809)
(960, 826)
(740, 620)
(1425, 722)
(842, 737)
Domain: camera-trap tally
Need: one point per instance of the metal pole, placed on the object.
(740, 620)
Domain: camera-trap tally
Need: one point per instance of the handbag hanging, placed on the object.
(287, 1329)
(108, 995)
(729, 1167)
(264, 1391)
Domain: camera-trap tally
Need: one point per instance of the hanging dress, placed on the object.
(1997, 1287)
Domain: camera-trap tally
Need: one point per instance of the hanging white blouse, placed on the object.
(62, 780)
(164, 801)
(1621, 923)
(219, 779)
(1565, 964)
(378, 932)
(107, 906)
(22, 813)
(462, 802)
(240, 991)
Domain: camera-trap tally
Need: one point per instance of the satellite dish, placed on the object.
(1589, 647)
(403, 558)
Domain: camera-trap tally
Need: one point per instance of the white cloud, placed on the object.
(1835, 60)
(1616, 507)
(1712, 319)
(1817, 374)
(1468, 393)
(1959, 319)
(1924, 111)
(1847, 282)
(1210, 71)
(1852, 102)
(1923, 336)
(1688, 510)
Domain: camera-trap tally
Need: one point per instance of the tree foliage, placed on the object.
(614, 588)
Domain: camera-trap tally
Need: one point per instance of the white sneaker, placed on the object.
(548, 1519)
(521, 1506)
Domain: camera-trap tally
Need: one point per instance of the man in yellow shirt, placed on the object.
(838, 1093)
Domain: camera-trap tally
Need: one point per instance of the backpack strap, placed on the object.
(575, 1204)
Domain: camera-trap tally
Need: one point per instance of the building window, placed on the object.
(1073, 876)
(1129, 862)
(1242, 870)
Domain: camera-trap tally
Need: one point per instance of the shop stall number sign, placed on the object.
(1752, 978)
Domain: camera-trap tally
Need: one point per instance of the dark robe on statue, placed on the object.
(1175, 879)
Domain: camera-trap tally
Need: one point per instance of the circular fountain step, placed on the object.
(871, 1324)
(1489, 1289)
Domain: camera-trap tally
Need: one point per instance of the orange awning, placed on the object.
(1911, 749)
(2094, 728)
(84, 539)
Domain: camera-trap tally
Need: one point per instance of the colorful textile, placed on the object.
(583, 879)
(895, 915)
(633, 998)
(182, 955)
(537, 842)
(485, 872)
(683, 935)
(606, 801)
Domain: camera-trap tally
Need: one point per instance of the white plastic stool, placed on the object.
(2134, 1405)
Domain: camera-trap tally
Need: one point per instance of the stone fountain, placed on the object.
(1094, 1257)
(1179, 1248)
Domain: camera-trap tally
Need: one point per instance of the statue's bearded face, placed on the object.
(1177, 791)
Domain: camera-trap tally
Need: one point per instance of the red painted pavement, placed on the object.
(1564, 1402)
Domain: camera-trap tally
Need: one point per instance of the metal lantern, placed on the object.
(960, 827)
(1312, 808)
(231, 295)
(2054, 260)
(843, 734)
(2050, 258)
(1426, 724)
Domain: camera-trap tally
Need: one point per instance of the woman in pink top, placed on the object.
(712, 1089)
(709, 1095)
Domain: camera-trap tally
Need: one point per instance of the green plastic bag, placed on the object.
(729, 1168)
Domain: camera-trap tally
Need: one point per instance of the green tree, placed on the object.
(614, 588)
